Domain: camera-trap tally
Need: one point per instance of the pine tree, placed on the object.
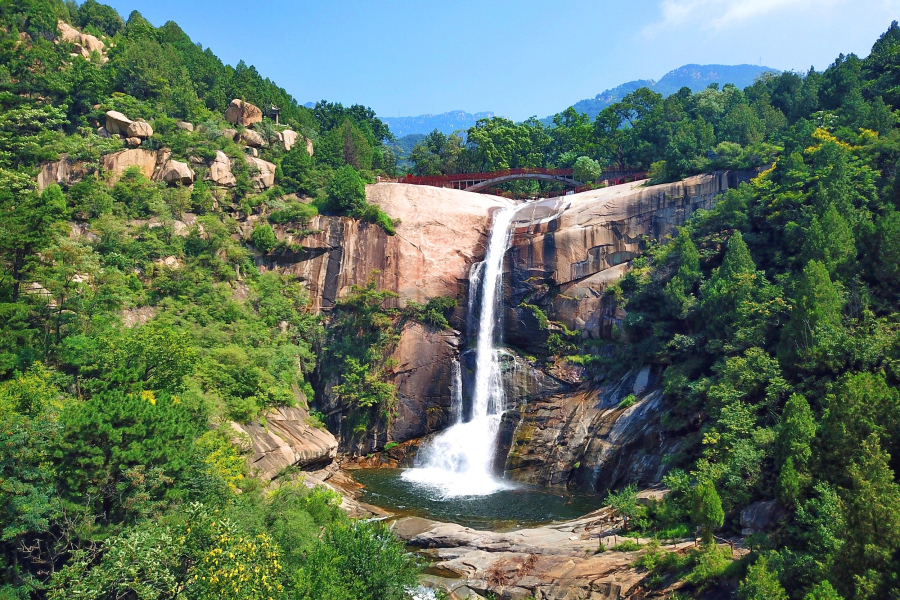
(823, 591)
(817, 303)
(829, 240)
(795, 432)
(707, 511)
(789, 483)
(761, 584)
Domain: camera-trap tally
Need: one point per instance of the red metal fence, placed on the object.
(614, 177)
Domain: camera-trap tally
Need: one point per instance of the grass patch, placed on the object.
(627, 546)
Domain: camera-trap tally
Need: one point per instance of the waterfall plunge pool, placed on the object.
(515, 507)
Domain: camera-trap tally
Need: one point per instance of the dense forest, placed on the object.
(776, 316)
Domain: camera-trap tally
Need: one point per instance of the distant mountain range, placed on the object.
(447, 122)
(696, 77)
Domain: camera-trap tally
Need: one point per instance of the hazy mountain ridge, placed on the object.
(695, 77)
(447, 122)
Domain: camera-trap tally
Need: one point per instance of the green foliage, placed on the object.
(627, 402)
(707, 511)
(586, 170)
(761, 583)
(263, 238)
(360, 340)
(627, 546)
(357, 561)
(433, 313)
(347, 191)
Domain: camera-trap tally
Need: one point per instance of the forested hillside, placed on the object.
(141, 180)
(134, 325)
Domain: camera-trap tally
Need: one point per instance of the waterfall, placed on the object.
(457, 462)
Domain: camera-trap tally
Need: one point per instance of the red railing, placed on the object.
(437, 180)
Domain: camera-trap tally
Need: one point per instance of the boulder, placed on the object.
(220, 171)
(309, 146)
(185, 126)
(117, 123)
(287, 138)
(62, 172)
(134, 142)
(243, 113)
(760, 517)
(118, 162)
(139, 129)
(286, 440)
(103, 132)
(265, 173)
(84, 43)
(252, 139)
(229, 133)
(174, 172)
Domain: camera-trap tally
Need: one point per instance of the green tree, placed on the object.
(586, 170)
(357, 561)
(823, 591)
(817, 304)
(297, 171)
(26, 226)
(761, 583)
(829, 240)
(625, 502)
(347, 191)
(795, 432)
(707, 511)
(263, 237)
(789, 485)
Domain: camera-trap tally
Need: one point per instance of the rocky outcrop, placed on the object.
(422, 377)
(580, 244)
(84, 43)
(63, 171)
(118, 162)
(553, 562)
(441, 233)
(287, 138)
(175, 172)
(242, 113)
(139, 129)
(185, 126)
(760, 517)
(117, 123)
(263, 172)
(286, 440)
(220, 171)
(252, 139)
(583, 440)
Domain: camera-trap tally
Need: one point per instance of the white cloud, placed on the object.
(721, 14)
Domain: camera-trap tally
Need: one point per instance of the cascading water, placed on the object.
(458, 460)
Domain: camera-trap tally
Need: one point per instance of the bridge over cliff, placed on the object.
(477, 182)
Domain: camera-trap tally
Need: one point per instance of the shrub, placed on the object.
(295, 212)
(627, 546)
(628, 401)
(586, 170)
(263, 238)
(347, 191)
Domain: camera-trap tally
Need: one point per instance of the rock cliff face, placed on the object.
(441, 233)
(565, 253)
(580, 244)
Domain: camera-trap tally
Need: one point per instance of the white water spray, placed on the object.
(458, 460)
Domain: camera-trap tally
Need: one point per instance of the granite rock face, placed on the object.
(286, 440)
(84, 43)
(582, 243)
(583, 440)
(565, 253)
(220, 171)
(242, 113)
(441, 234)
(118, 162)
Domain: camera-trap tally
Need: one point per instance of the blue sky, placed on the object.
(516, 58)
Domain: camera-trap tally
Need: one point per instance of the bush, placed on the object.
(347, 191)
(586, 170)
(433, 313)
(360, 560)
(263, 238)
(627, 546)
(628, 401)
(295, 212)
